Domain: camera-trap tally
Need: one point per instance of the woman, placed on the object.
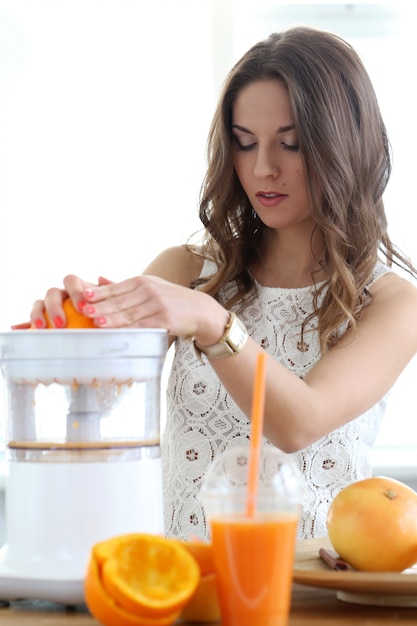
(296, 246)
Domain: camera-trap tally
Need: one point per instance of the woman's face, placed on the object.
(266, 155)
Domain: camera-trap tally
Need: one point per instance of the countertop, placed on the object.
(310, 607)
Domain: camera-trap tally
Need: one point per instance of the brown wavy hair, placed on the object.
(346, 154)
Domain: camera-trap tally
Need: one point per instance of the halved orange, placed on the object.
(148, 576)
(204, 603)
(104, 608)
(105, 550)
(203, 554)
(75, 319)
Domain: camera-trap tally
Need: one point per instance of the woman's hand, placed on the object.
(151, 302)
(52, 303)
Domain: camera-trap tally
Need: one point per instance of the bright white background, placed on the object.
(105, 107)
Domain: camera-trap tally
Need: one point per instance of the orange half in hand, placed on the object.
(74, 318)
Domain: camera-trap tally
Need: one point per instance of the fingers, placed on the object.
(114, 305)
(106, 289)
(146, 315)
(74, 289)
(21, 326)
(125, 304)
(142, 302)
(104, 281)
(53, 305)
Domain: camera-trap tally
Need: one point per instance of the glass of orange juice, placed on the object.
(253, 547)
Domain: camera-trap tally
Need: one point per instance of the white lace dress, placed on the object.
(203, 420)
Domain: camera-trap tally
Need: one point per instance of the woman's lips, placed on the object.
(270, 198)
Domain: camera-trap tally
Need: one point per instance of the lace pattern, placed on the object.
(203, 420)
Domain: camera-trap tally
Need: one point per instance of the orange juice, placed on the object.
(254, 560)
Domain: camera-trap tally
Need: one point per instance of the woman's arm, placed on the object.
(176, 264)
(347, 381)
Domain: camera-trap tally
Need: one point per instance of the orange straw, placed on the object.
(258, 404)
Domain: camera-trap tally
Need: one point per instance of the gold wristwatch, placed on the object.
(232, 342)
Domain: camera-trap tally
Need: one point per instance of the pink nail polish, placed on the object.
(102, 321)
(81, 305)
(89, 293)
(39, 323)
(58, 321)
(90, 310)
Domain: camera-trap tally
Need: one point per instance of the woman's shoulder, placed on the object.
(178, 264)
(380, 269)
(390, 287)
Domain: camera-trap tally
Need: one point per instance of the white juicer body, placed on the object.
(83, 461)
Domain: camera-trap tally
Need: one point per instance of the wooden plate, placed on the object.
(376, 588)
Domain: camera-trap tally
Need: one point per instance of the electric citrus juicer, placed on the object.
(82, 451)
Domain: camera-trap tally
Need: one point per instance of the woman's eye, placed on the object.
(291, 147)
(243, 146)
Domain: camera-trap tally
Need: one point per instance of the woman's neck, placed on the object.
(292, 259)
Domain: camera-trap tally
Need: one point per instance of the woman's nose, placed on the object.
(266, 164)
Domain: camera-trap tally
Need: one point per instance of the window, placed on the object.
(104, 114)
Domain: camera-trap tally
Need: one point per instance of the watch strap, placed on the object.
(232, 342)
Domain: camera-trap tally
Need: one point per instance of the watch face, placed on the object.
(237, 335)
(230, 344)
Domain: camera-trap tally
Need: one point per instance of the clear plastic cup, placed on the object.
(253, 551)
